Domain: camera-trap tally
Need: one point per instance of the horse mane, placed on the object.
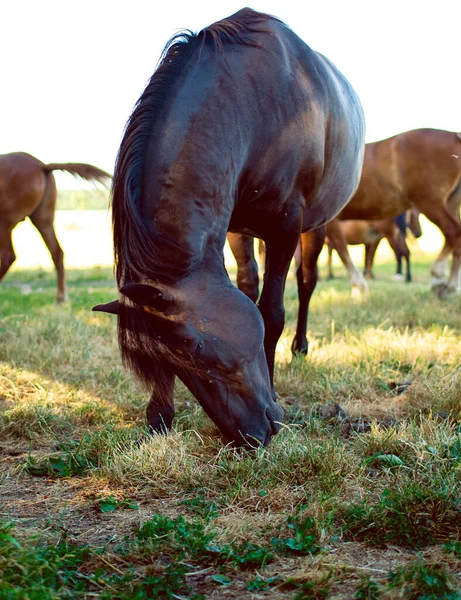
(137, 242)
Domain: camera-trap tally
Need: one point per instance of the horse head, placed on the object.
(211, 336)
(413, 222)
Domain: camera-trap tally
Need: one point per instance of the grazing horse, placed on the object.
(419, 168)
(28, 189)
(370, 233)
(242, 127)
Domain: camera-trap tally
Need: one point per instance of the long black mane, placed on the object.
(136, 241)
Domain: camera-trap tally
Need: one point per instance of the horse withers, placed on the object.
(28, 189)
(242, 127)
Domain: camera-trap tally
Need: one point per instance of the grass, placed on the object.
(365, 504)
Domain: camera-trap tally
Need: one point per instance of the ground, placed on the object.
(358, 496)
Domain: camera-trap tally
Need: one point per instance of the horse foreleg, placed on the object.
(306, 277)
(160, 410)
(336, 237)
(247, 267)
(279, 252)
(7, 255)
(46, 229)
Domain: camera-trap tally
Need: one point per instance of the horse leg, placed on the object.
(160, 410)
(279, 252)
(43, 218)
(330, 261)
(400, 249)
(46, 229)
(7, 255)
(336, 237)
(247, 267)
(453, 206)
(370, 251)
(450, 226)
(306, 277)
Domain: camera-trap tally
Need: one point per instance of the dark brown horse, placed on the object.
(370, 234)
(243, 128)
(28, 189)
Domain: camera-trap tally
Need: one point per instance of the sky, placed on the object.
(71, 71)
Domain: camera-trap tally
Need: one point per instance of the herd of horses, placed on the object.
(242, 132)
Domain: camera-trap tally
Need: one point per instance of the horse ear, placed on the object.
(146, 295)
(110, 307)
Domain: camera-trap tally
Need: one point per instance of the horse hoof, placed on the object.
(299, 349)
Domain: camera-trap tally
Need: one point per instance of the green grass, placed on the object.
(93, 199)
(323, 512)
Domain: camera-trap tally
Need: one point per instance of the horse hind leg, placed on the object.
(7, 255)
(43, 219)
(48, 234)
(337, 238)
(450, 226)
(453, 207)
(370, 251)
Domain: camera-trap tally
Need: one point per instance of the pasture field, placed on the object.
(358, 496)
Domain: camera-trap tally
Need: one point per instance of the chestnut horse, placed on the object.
(242, 127)
(28, 189)
(419, 168)
(370, 234)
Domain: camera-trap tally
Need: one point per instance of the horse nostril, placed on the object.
(275, 419)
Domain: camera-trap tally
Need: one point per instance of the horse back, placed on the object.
(412, 168)
(430, 162)
(306, 128)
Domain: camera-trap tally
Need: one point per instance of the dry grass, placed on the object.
(377, 499)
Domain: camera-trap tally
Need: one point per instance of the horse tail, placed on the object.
(87, 172)
(401, 222)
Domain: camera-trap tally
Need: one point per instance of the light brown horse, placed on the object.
(28, 189)
(370, 234)
(419, 168)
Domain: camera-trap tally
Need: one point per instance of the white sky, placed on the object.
(71, 71)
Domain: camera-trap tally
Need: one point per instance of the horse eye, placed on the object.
(198, 348)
